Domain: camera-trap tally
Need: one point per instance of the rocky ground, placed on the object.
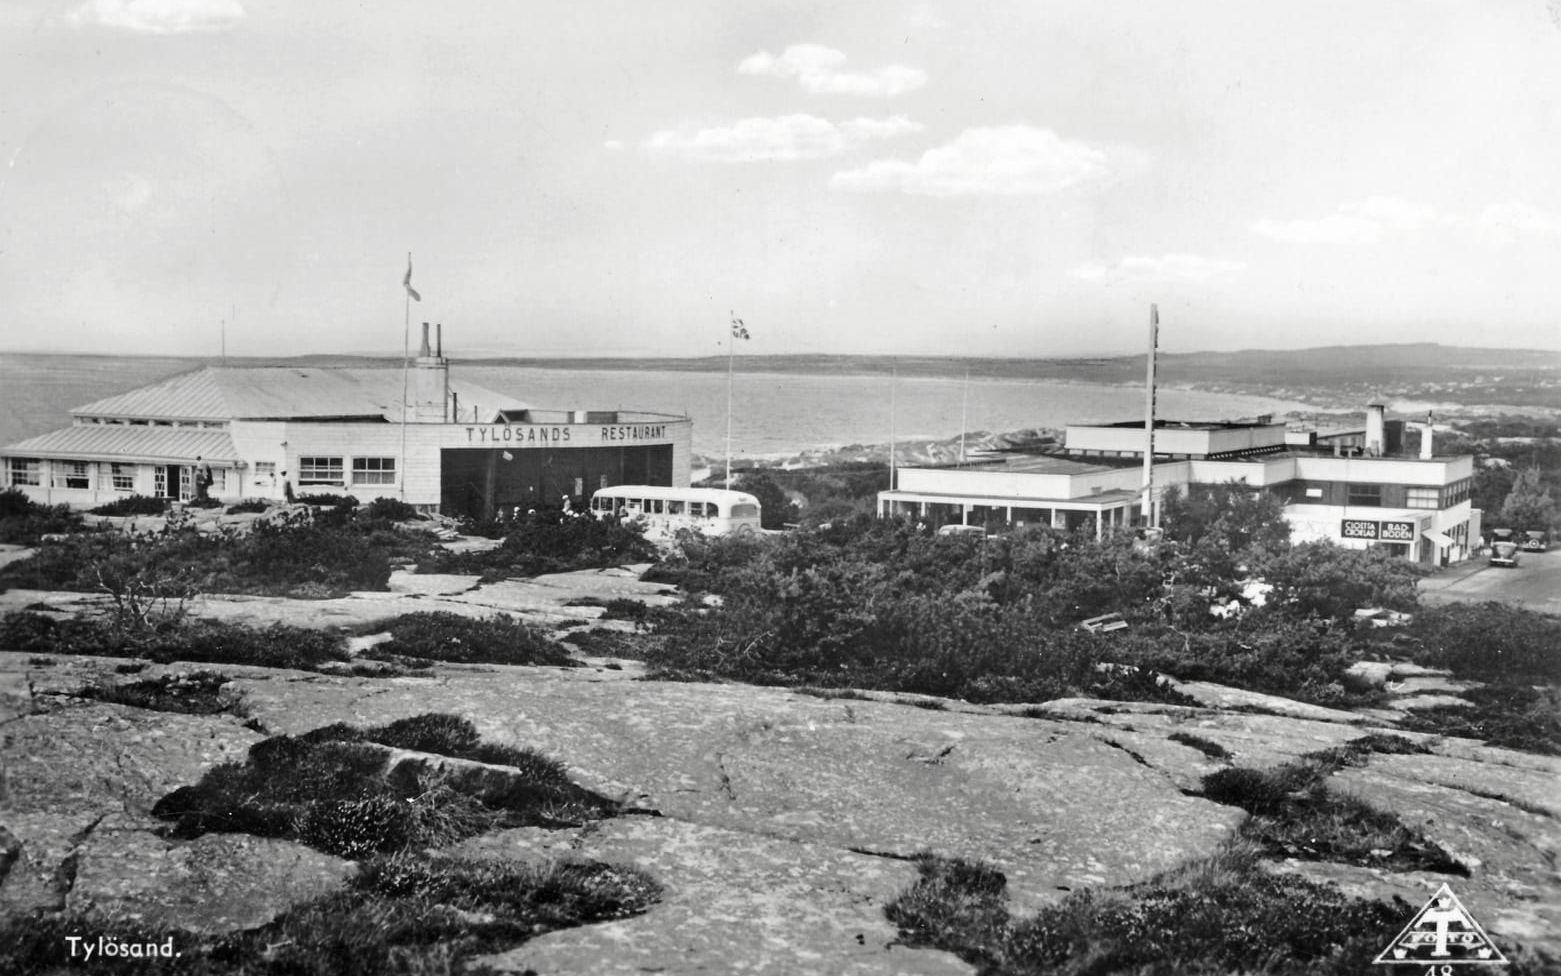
(782, 821)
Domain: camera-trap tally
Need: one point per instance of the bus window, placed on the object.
(655, 506)
(696, 509)
(742, 510)
(674, 506)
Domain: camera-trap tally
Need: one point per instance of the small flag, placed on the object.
(406, 282)
(739, 331)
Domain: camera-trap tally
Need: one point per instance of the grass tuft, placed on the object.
(1208, 747)
(188, 693)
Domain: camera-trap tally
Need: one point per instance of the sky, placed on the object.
(619, 179)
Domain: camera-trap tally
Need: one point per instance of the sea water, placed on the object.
(773, 414)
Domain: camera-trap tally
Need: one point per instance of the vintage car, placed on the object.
(1535, 540)
(1504, 554)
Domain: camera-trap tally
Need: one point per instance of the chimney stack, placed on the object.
(1425, 438)
(439, 340)
(1376, 420)
(423, 351)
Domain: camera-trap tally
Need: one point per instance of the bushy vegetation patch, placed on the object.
(248, 506)
(1512, 715)
(439, 635)
(389, 510)
(444, 735)
(133, 505)
(1295, 813)
(188, 693)
(1488, 642)
(24, 522)
(204, 641)
(1208, 747)
(402, 915)
(300, 555)
(328, 499)
(1221, 915)
(333, 792)
(549, 541)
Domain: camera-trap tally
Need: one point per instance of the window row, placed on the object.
(331, 470)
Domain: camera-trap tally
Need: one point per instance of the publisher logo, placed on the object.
(1443, 933)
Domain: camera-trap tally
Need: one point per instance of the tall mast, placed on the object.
(964, 414)
(893, 437)
(1149, 410)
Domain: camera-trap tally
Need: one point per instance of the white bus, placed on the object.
(663, 510)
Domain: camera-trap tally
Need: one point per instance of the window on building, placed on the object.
(319, 471)
(23, 471)
(1422, 497)
(124, 476)
(373, 470)
(1364, 495)
(70, 474)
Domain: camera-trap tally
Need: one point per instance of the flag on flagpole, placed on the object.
(739, 331)
(406, 282)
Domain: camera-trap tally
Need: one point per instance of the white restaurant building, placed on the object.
(1354, 494)
(418, 435)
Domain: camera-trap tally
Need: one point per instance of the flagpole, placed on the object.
(893, 437)
(964, 413)
(731, 360)
(406, 366)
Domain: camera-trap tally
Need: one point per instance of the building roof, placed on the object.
(117, 442)
(1039, 464)
(280, 393)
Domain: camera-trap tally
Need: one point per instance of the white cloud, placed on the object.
(1170, 267)
(786, 137)
(817, 69)
(1007, 160)
(1502, 223)
(1374, 219)
(159, 16)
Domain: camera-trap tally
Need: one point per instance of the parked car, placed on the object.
(1502, 535)
(1535, 540)
(1504, 554)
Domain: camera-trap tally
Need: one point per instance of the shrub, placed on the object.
(324, 498)
(550, 541)
(207, 502)
(389, 510)
(25, 522)
(214, 642)
(443, 636)
(1488, 642)
(1221, 915)
(1512, 715)
(191, 693)
(248, 506)
(331, 790)
(133, 505)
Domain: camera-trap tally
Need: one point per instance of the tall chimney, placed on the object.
(422, 351)
(1376, 419)
(439, 340)
(1425, 438)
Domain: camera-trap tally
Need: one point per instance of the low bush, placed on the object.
(549, 541)
(207, 502)
(401, 915)
(133, 505)
(439, 635)
(1217, 916)
(203, 641)
(444, 735)
(1208, 747)
(189, 693)
(389, 510)
(334, 792)
(1296, 815)
(1488, 642)
(325, 498)
(24, 522)
(248, 506)
(1512, 715)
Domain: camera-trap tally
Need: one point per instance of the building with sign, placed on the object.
(418, 435)
(1361, 494)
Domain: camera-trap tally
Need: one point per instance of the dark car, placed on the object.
(1504, 554)
(1535, 540)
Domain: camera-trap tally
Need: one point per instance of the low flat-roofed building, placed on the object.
(417, 435)
(1416, 506)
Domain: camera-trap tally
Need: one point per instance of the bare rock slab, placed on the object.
(215, 883)
(733, 903)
